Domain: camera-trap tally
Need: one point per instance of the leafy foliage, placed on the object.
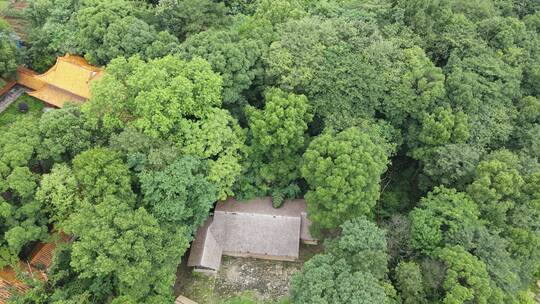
(64, 134)
(234, 57)
(341, 275)
(8, 50)
(343, 172)
(324, 281)
(409, 283)
(441, 216)
(123, 263)
(180, 195)
(277, 139)
(466, 277)
(203, 100)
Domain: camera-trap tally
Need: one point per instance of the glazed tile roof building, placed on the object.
(68, 80)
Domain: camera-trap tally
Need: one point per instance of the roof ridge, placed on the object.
(263, 214)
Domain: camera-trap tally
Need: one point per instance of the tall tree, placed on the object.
(352, 270)
(487, 100)
(410, 284)
(235, 57)
(324, 281)
(171, 99)
(217, 138)
(8, 50)
(100, 172)
(187, 17)
(63, 134)
(58, 193)
(179, 195)
(496, 185)
(343, 172)
(123, 252)
(363, 245)
(277, 136)
(442, 215)
(103, 30)
(466, 277)
(153, 96)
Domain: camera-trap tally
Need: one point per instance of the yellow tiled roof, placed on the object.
(72, 74)
(55, 96)
(68, 80)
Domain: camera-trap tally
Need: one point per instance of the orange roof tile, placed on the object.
(7, 289)
(55, 96)
(40, 259)
(72, 74)
(27, 78)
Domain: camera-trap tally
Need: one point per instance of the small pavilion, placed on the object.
(68, 80)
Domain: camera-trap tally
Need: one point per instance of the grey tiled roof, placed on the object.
(252, 228)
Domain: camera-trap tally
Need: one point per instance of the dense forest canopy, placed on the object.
(411, 128)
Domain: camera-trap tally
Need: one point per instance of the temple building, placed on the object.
(68, 80)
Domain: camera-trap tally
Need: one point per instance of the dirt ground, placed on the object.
(266, 281)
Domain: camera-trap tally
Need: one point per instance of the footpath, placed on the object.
(10, 93)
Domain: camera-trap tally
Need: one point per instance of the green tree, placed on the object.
(169, 98)
(496, 185)
(419, 89)
(123, 252)
(100, 172)
(49, 30)
(487, 100)
(445, 26)
(187, 17)
(58, 192)
(143, 152)
(279, 11)
(531, 50)
(8, 50)
(317, 58)
(352, 270)
(441, 216)
(277, 136)
(466, 277)
(163, 44)
(343, 172)
(236, 58)
(521, 230)
(218, 138)
(527, 124)
(324, 280)
(451, 165)
(153, 96)
(22, 182)
(179, 195)
(362, 245)
(103, 30)
(409, 283)
(18, 145)
(63, 134)
(503, 269)
(21, 217)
